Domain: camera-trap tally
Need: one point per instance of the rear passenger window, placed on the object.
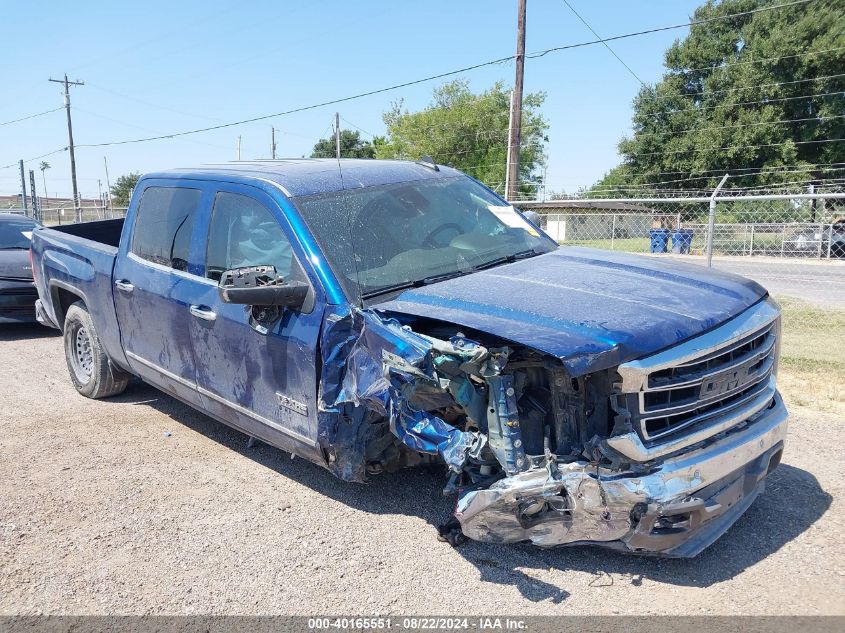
(164, 224)
(243, 232)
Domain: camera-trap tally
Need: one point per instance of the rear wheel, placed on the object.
(90, 370)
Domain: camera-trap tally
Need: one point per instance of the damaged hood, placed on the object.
(592, 309)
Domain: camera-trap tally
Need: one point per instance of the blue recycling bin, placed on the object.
(659, 240)
(681, 241)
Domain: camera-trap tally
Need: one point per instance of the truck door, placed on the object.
(156, 284)
(260, 380)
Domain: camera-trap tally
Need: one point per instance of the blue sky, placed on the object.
(161, 67)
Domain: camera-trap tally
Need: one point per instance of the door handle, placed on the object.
(123, 285)
(202, 312)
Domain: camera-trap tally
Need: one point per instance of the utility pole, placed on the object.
(34, 195)
(67, 85)
(108, 186)
(508, 154)
(273, 142)
(515, 131)
(811, 188)
(337, 133)
(44, 180)
(23, 189)
(239, 148)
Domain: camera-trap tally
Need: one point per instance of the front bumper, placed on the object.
(677, 508)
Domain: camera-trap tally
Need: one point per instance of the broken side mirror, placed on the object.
(261, 286)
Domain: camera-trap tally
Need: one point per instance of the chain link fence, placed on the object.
(780, 226)
(67, 215)
(809, 226)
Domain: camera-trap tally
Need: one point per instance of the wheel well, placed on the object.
(62, 300)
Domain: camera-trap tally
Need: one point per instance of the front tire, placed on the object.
(90, 370)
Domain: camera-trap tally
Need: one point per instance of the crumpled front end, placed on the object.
(656, 456)
(678, 509)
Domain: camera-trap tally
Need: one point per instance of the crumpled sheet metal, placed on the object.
(371, 366)
(592, 510)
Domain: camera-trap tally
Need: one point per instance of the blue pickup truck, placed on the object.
(376, 315)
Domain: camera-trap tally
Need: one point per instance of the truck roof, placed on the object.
(309, 176)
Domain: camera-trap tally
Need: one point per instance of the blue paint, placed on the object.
(350, 370)
(591, 309)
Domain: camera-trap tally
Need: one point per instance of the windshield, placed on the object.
(380, 238)
(15, 234)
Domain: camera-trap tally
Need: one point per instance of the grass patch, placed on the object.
(812, 360)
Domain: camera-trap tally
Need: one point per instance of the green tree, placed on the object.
(351, 146)
(469, 132)
(121, 190)
(742, 93)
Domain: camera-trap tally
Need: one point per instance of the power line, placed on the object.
(744, 103)
(741, 172)
(707, 149)
(751, 175)
(153, 105)
(761, 61)
(31, 116)
(648, 185)
(29, 160)
(303, 108)
(140, 127)
(781, 185)
(360, 129)
(492, 134)
(771, 85)
(722, 171)
(484, 135)
(606, 45)
(443, 75)
(479, 166)
(665, 28)
(726, 127)
(714, 174)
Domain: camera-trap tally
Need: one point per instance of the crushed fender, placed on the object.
(524, 441)
(374, 370)
(388, 393)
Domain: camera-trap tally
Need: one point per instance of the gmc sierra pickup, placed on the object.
(374, 315)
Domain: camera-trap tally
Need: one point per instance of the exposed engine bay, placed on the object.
(524, 441)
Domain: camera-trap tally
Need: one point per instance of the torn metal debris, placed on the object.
(526, 444)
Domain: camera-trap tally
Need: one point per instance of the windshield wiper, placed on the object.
(507, 259)
(414, 284)
(14, 248)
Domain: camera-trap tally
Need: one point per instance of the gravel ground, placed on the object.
(140, 505)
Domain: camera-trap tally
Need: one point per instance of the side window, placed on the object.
(164, 224)
(243, 232)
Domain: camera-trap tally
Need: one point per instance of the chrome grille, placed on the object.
(705, 380)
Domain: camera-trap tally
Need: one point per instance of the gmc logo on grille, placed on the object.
(723, 383)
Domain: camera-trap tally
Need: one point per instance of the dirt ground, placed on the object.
(141, 505)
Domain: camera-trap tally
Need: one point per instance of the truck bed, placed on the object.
(75, 263)
(105, 231)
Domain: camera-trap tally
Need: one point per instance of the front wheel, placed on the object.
(89, 367)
